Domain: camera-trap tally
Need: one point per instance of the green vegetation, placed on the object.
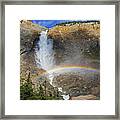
(29, 92)
(26, 91)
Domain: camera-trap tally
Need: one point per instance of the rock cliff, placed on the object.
(29, 35)
(76, 43)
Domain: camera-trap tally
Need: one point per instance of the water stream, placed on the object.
(45, 57)
(45, 52)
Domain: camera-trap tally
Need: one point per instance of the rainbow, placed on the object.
(72, 66)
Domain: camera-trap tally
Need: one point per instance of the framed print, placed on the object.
(60, 59)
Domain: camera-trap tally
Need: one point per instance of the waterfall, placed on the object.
(44, 52)
(45, 57)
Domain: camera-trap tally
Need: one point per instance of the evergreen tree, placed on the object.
(26, 90)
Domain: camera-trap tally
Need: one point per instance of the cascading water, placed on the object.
(44, 52)
(45, 57)
(45, 60)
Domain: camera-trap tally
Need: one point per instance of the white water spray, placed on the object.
(66, 97)
(45, 57)
(44, 52)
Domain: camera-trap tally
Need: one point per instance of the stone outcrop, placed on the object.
(29, 35)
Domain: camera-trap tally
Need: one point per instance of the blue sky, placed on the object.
(52, 23)
(49, 23)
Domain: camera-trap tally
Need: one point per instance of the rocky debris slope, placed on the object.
(76, 84)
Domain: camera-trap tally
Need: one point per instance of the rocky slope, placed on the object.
(77, 43)
(29, 35)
